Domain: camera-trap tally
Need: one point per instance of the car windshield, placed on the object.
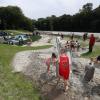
(25, 36)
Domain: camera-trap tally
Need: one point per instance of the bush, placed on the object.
(35, 38)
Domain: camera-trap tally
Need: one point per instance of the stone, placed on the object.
(89, 73)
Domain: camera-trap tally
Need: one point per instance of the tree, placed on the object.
(87, 8)
(11, 17)
(88, 19)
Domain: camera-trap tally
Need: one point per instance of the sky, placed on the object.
(43, 8)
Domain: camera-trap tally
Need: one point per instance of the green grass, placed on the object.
(76, 37)
(16, 32)
(96, 49)
(82, 43)
(95, 53)
(15, 86)
(35, 38)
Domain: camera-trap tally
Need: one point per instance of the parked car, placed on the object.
(23, 36)
(13, 41)
(18, 39)
(3, 33)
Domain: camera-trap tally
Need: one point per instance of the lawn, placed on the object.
(95, 53)
(15, 86)
(35, 38)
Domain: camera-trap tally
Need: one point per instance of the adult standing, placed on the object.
(58, 45)
(20, 40)
(91, 42)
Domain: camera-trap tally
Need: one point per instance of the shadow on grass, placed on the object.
(86, 54)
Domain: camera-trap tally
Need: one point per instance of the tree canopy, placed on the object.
(11, 17)
(87, 19)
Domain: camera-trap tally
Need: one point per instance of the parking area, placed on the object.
(20, 39)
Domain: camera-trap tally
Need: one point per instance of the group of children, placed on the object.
(59, 66)
(72, 45)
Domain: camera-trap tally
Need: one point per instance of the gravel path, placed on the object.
(32, 64)
(21, 61)
(43, 41)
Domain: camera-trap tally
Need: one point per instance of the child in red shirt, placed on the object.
(64, 68)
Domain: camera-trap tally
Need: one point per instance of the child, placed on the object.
(64, 69)
(72, 45)
(77, 46)
(51, 65)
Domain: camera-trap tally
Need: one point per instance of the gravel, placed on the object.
(32, 64)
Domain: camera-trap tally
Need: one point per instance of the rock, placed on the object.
(89, 73)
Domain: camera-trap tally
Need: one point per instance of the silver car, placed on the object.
(18, 39)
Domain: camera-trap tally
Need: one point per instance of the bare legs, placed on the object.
(65, 83)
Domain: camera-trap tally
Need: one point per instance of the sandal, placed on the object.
(66, 89)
